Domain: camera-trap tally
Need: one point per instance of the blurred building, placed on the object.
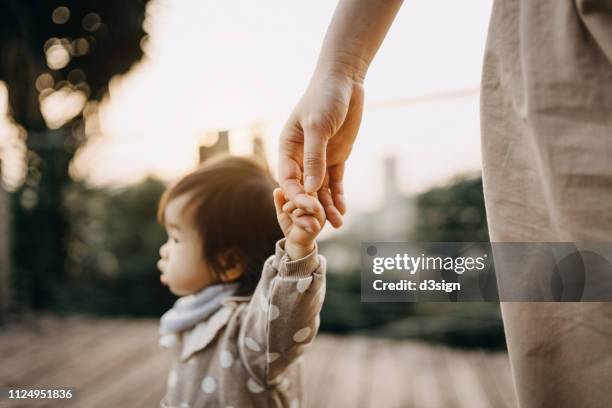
(259, 149)
(221, 145)
(393, 220)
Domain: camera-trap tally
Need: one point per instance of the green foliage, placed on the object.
(112, 251)
(454, 213)
(343, 311)
(99, 39)
(467, 325)
(113, 243)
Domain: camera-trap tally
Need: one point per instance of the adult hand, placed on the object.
(299, 241)
(317, 140)
(319, 134)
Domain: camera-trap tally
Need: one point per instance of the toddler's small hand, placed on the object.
(300, 228)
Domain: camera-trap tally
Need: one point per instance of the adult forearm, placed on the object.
(357, 30)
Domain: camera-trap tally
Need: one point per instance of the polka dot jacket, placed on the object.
(249, 352)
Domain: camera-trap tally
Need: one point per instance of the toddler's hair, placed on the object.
(232, 208)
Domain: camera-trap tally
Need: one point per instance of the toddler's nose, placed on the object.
(163, 250)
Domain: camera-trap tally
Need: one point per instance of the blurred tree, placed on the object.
(112, 251)
(453, 213)
(57, 56)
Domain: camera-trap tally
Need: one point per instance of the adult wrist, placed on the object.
(344, 64)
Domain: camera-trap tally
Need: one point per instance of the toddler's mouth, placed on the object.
(162, 277)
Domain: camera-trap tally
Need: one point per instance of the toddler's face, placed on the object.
(182, 266)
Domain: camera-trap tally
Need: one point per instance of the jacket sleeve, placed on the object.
(282, 317)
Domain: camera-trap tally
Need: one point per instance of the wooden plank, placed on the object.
(318, 360)
(117, 362)
(125, 387)
(15, 336)
(34, 361)
(390, 388)
(498, 368)
(421, 363)
(111, 354)
(155, 390)
(469, 390)
(323, 360)
(491, 379)
(345, 385)
(119, 347)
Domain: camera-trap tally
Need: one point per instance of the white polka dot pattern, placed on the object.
(274, 312)
(172, 379)
(209, 385)
(254, 387)
(284, 384)
(263, 303)
(226, 359)
(251, 344)
(301, 334)
(303, 284)
(272, 357)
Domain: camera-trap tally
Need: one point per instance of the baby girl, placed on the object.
(244, 262)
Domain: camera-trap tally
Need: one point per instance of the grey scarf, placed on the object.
(192, 309)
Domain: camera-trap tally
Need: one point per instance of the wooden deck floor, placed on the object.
(117, 363)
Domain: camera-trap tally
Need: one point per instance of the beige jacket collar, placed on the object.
(203, 333)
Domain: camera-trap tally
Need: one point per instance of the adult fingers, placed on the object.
(332, 214)
(315, 147)
(320, 216)
(336, 186)
(290, 154)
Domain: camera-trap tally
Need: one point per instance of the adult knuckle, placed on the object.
(312, 158)
(318, 122)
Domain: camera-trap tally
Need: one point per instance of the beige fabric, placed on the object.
(248, 354)
(546, 109)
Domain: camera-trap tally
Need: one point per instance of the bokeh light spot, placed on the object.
(60, 15)
(91, 22)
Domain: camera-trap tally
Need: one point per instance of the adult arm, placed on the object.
(318, 137)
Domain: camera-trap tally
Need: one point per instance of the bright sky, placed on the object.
(214, 65)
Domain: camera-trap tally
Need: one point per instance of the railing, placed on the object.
(5, 292)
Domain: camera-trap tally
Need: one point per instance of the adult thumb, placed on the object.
(315, 147)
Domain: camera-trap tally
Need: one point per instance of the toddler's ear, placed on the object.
(232, 266)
